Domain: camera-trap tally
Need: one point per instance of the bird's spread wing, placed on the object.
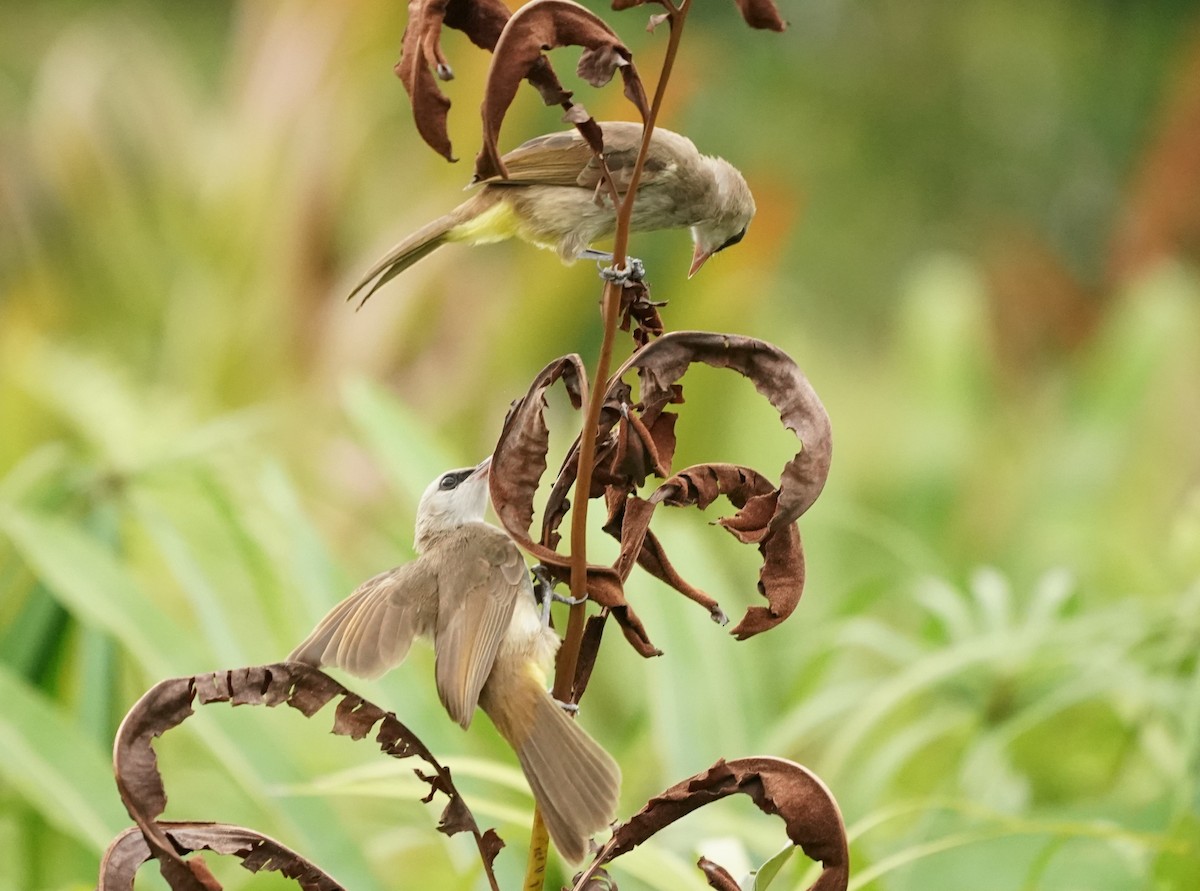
(480, 583)
(372, 629)
(564, 159)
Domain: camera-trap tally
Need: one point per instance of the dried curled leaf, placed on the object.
(762, 14)
(519, 460)
(717, 876)
(781, 579)
(637, 440)
(421, 57)
(534, 29)
(257, 852)
(169, 703)
(518, 463)
(766, 515)
(808, 809)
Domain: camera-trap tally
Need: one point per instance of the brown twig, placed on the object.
(568, 654)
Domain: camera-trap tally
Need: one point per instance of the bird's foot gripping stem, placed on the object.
(632, 273)
(571, 708)
(543, 590)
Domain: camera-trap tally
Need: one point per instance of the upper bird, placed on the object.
(555, 197)
(469, 590)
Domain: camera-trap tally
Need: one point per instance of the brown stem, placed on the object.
(568, 654)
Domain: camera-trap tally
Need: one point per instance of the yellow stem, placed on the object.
(539, 839)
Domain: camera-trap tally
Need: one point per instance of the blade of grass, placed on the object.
(63, 772)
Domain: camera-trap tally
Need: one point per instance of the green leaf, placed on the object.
(399, 441)
(57, 768)
(88, 580)
(765, 874)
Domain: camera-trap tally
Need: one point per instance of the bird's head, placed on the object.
(732, 210)
(454, 498)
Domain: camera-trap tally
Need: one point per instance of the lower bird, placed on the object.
(555, 197)
(469, 591)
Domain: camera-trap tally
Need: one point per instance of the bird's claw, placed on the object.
(543, 590)
(542, 583)
(633, 272)
(544, 593)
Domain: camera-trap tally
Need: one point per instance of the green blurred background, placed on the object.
(978, 233)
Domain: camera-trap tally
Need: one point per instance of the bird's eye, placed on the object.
(449, 481)
(732, 240)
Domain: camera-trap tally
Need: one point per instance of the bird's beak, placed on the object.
(699, 255)
(481, 470)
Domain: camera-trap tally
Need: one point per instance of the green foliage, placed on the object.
(994, 666)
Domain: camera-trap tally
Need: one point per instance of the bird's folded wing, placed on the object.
(556, 159)
(372, 629)
(480, 588)
(564, 159)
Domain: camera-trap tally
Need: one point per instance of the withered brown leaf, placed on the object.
(421, 56)
(636, 440)
(781, 579)
(717, 876)
(518, 463)
(306, 689)
(762, 14)
(533, 30)
(808, 809)
(257, 852)
(766, 515)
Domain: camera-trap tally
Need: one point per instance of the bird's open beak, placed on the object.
(699, 255)
(481, 470)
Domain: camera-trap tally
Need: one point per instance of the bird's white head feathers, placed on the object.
(456, 497)
(735, 208)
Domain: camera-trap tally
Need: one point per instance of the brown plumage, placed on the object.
(554, 197)
(469, 591)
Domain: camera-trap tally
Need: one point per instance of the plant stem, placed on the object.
(568, 654)
(539, 839)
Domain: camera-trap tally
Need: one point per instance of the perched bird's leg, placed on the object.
(593, 254)
(543, 591)
(633, 272)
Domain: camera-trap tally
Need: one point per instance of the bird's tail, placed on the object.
(420, 244)
(574, 781)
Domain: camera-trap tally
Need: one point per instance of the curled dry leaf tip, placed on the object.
(766, 514)
(170, 702)
(421, 57)
(637, 440)
(761, 14)
(812, 820)
(533, 29)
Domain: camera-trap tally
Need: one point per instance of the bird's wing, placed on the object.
(372, 629)
(480, 583)
(556, 159)
(564, 159)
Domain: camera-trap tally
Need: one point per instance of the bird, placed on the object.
(555, 197)
(469, 590)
